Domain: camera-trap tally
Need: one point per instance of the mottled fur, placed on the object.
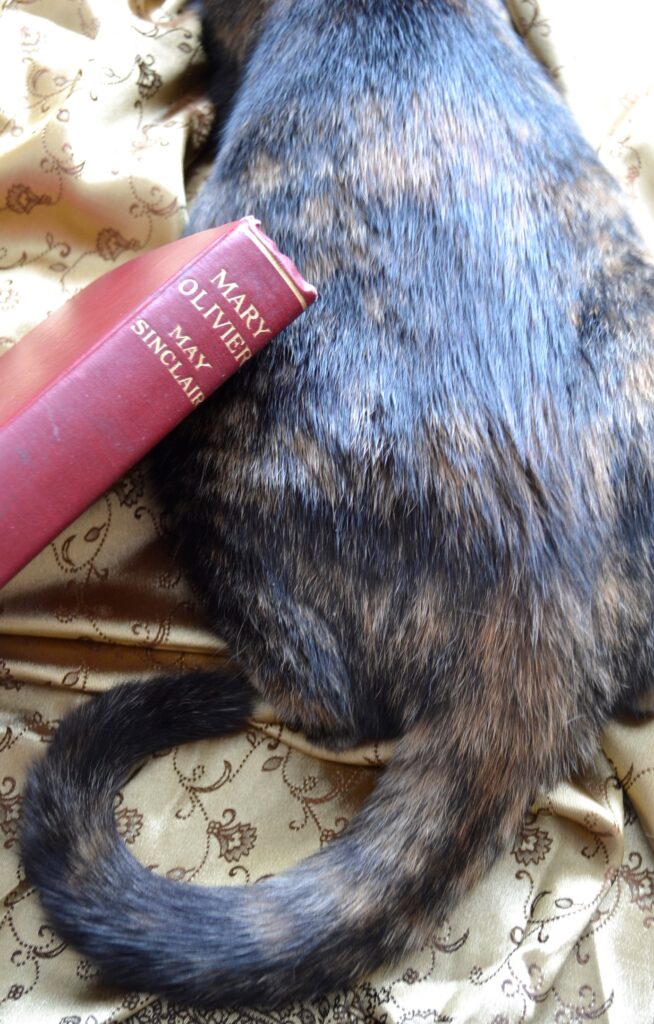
(425, 511)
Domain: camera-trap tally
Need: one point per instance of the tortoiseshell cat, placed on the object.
(426, 511)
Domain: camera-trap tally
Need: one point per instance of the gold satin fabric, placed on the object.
(101, 118)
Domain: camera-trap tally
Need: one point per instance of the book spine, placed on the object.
(87, 427)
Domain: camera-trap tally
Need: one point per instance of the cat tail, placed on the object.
(443, 809)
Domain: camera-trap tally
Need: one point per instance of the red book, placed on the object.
(92, 389)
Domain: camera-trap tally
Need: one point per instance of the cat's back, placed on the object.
(463, 405)
(477, 271)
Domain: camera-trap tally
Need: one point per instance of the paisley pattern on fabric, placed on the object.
(102, 120)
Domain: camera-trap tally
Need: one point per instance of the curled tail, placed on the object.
(361, 901)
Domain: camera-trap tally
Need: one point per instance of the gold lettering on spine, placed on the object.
(251, 314)
(188, 286)
(222, 285)
(191, 351)
(200, 300)
(156, 343)
(181, 339)
(197, 301)
(236, 345)
(168, 358)
(140, 327)
(178, 348)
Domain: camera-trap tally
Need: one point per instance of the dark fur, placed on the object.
(425, 511)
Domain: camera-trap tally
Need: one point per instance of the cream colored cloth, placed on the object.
(101, 114)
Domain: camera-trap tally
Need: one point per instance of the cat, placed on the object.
(425, 512)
